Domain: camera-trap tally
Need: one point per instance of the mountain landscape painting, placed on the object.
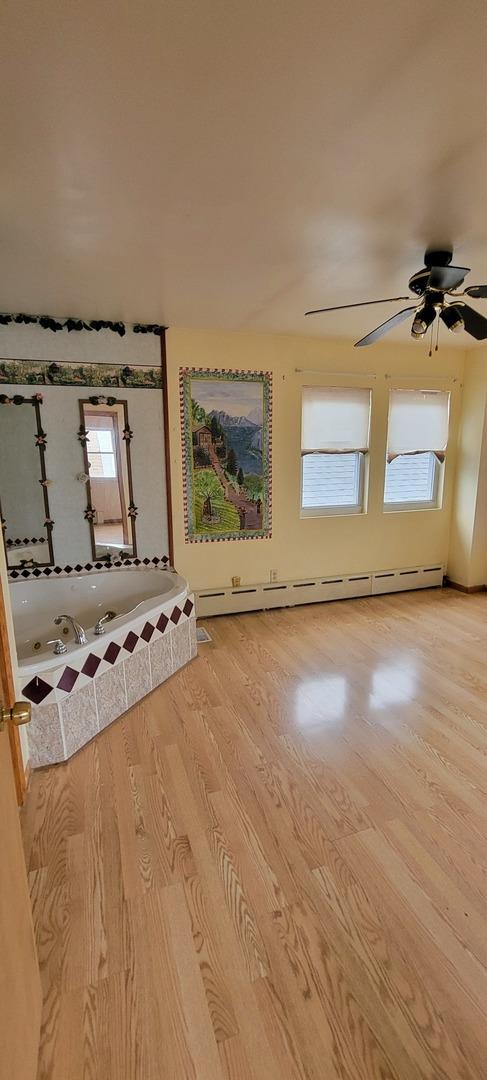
(226, 418)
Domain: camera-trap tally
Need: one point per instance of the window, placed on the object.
(416, 445)
(412, 479)
(331, 480)
(334, 441)
(101, 453)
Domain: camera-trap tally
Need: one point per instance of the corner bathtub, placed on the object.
(77, 694)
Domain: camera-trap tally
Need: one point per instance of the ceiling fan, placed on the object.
(433, 283)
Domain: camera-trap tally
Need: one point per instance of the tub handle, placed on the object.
(99, 626)
(59, 646)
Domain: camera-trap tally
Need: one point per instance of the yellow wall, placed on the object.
(328, 545)
(467, 562)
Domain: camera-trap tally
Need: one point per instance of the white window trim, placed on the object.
(425, 504)
(336, 510)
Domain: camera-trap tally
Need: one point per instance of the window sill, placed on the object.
(331, 511)
(412, 508)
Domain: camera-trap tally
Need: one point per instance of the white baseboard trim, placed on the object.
(229, 600)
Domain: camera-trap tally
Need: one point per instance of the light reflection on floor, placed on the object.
(320, 700)
(393, 684)
(323, 699)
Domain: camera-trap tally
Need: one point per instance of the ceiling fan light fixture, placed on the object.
(422, 320)
(452, 318)
(418, 328)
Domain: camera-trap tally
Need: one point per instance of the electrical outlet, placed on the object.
(236, 581)
(273, 575)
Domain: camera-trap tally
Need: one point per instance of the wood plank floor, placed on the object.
(275, 867)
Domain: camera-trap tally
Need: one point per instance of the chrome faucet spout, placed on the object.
(79, 634)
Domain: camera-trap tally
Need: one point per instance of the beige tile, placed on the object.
(137, 676)
(78, 711)
(110, 693)
(161, 659)
(181, 651)
(45, 738)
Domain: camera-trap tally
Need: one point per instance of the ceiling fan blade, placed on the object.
(474, 323)
(386, 326)
(480, 291)
(364, 303)
(447, 277)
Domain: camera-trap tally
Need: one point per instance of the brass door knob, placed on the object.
(20, 713)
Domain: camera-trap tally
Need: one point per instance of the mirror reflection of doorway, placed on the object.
(108, 466)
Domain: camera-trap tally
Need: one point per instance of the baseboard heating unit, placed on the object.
(227, 601)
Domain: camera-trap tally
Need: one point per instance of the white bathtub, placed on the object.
(130, 593)
(75, 695)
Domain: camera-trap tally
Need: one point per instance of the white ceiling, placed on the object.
(230, 164)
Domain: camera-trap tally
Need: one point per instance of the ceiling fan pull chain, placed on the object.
(431, 341)
(437, 333)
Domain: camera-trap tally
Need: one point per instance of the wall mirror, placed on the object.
(24, 502)
(111, 512)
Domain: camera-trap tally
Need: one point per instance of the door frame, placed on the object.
(7, 652)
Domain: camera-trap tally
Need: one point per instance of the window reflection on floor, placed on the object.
(320, 700)
(393, 684)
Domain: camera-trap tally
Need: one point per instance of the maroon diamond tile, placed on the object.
(68, 679)
(188, 607)
(112, 652)
(162, 622)
(148, 631)
(176, 615)
(36, 690)
(130, 641)
(91, 665)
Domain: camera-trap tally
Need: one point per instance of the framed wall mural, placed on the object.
(226, 434)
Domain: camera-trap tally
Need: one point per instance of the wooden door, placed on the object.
(20, 989)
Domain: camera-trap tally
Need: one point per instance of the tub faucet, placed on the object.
(99, 626)
(79, 634)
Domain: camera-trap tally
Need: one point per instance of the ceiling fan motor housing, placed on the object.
(437, 258)
(419, 281)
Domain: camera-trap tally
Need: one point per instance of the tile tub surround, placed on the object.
(71, 703)
(131, 563)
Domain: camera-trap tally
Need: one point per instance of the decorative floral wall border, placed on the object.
(187, 445)
(42, 373)
(56, 323)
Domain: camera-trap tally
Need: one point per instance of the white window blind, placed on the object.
(418, 422)
(335, 421)
(412, 479)
(331, 481)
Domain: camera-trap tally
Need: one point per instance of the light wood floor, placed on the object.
(276, 866)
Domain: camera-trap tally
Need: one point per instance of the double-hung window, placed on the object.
(101, 453)
(416, 445)
(334, 442)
